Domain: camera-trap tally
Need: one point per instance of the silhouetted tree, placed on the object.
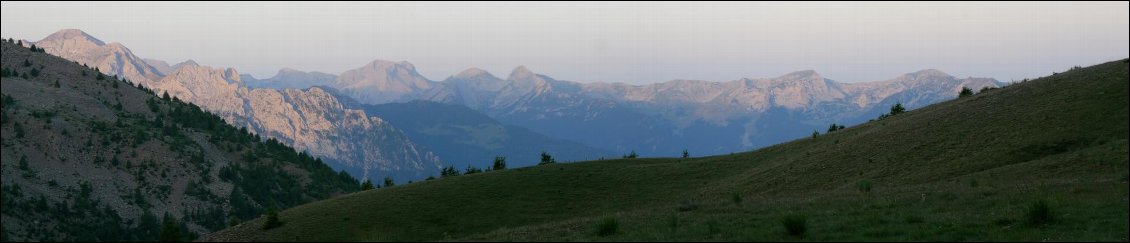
(388, 182)
(631, 155)
(546, 159)
(472, 170)
(448, 171)
(499, 163)
(965, 92)
(815, 134)
(686, 154)
(897, 109)
(367, 185)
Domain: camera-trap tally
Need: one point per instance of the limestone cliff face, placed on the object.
(113, 58)
(315, 121)
(309, 120)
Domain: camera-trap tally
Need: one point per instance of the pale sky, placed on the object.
(629, 42)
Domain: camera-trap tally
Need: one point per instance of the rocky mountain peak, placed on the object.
(187, 63)
(807, 75)
(521, 73)
(73, 34)
(929, 73)
(474, 73)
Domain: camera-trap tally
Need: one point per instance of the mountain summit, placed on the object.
(382, 81)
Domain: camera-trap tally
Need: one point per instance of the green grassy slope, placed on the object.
(967, 169)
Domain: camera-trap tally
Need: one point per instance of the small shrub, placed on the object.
(713, 228)
(737, 198)
(687, 205)
(914, 219)
(795, 225)
(472, 170)
(864, 186)
(607, 226)
(1039, 213)
(272, 219)
(673, 221)
(632, 155)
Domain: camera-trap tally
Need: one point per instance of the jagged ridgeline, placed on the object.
(91, 157)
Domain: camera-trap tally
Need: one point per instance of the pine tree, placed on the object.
(448, 171)
(389, 182)
(499, 163)
(367, 185)
(546, 159)
(965, 92)
(897, 109)
(472, 170)
(272, 219)
(170, 232)
(686, 154)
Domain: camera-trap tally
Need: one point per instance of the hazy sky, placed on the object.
(611, 42)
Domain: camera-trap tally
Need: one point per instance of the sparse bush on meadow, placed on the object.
(795, 225)
(1039, 213)
(607, 226)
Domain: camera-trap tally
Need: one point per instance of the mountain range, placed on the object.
(327, 115)
(658, 119)
(310, 120)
